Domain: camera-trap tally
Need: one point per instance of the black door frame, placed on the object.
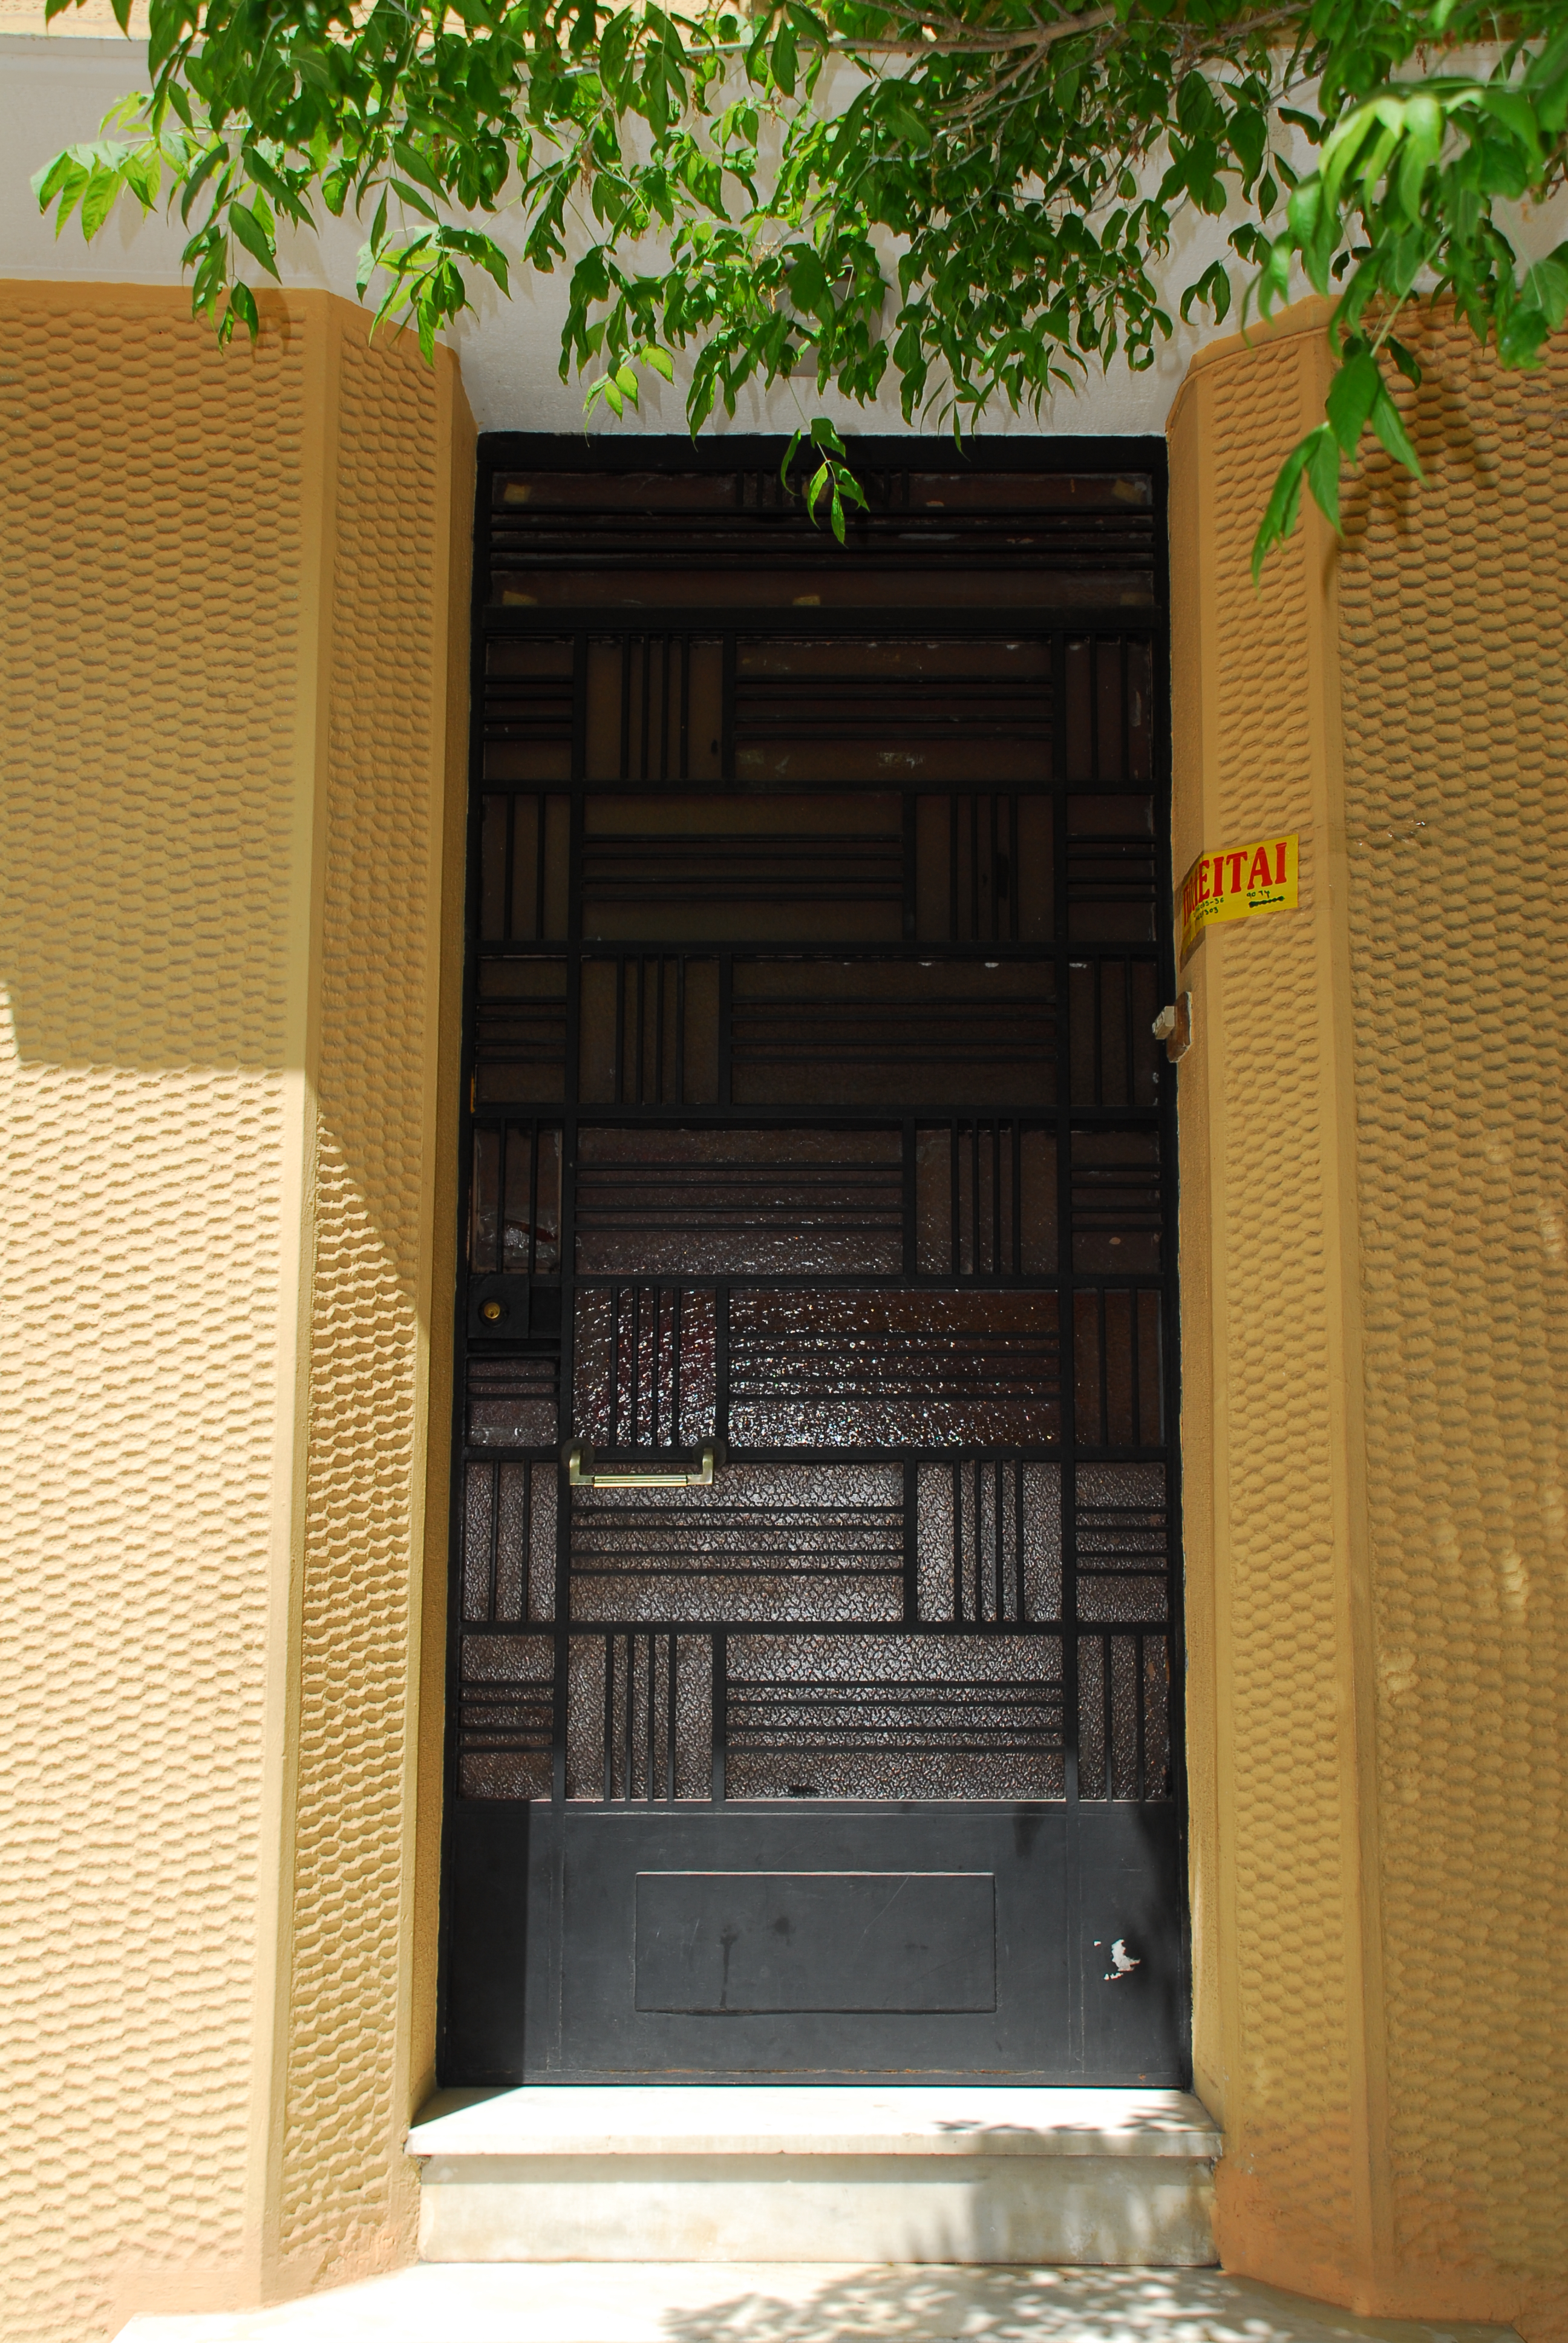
(566, 452)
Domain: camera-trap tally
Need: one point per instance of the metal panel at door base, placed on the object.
(1113, 2016)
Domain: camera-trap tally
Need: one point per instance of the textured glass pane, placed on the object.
(479, 1540)
(894, 1716)
(484, 1225)
(599, 492)
(1156, 1716)
(521, 1030)
(649, 1031)
(1115, 1057)
(640, 1717)
(544, 1486)
(990, 1542)
(494, 815)
(1111, 869)
(1110, 683)
(1125, 1704)
(908, 661)
(892, 711)
(1094, 1739)
(766, 1541)
(893, 581)
(1117, 1209)
(1029, 492)
(527, 760)
(870, 1032)
(691, 869)
(655, 709)
(903, 1370)
(1117, 1361)
(505, 1716)
(512, 1402)
(509, 1543)
(983, 868)
(1123, 1716)
(524, 842)
(736, 1201)
(985, 1199)
(1079, 710)
(1111, 1600)
(645, 1366)
(1140, 711)
(528, 656)
(1122, 1541)
(512, 1527)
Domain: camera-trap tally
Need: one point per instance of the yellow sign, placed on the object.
(1237, 884)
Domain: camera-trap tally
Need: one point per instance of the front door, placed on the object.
(814, 1680)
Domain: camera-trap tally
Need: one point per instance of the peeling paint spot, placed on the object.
(1122, 1962)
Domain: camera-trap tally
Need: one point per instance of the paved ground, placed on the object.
(650, 2302)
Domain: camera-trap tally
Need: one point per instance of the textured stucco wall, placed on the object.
(1373, 1251)
(225, 628)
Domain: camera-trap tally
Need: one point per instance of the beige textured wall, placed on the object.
(1373, 1235)
(227, 698)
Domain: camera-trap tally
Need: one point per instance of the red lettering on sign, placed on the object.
(1259, 874)
(1280, 862)
(1235, 861)
(1203, 879)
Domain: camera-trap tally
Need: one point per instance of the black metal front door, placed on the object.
(814, 1677)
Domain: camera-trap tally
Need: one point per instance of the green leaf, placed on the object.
(241, 301)
(1389, 426)
(783, 60)
(99, 198)
(1352, 396)
(1546, 287)
(256, 236)
(1323, 473)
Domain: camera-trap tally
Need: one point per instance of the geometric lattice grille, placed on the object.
(816, 1120)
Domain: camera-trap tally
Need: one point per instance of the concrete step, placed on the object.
(767, 2174)
(628, 2302)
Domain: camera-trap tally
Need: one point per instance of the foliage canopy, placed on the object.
(977, 196)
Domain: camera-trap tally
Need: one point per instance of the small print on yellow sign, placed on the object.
(1237, 884)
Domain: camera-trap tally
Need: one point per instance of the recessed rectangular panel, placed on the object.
(728, 1942)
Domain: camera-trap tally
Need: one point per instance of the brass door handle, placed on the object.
(581, 1474)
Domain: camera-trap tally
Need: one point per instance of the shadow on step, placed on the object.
(941, 2303)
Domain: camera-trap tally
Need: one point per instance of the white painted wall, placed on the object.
(54, 89)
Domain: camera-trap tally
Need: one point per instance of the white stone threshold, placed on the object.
(771, 2173)
(812, 2120)
(798, 2303)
